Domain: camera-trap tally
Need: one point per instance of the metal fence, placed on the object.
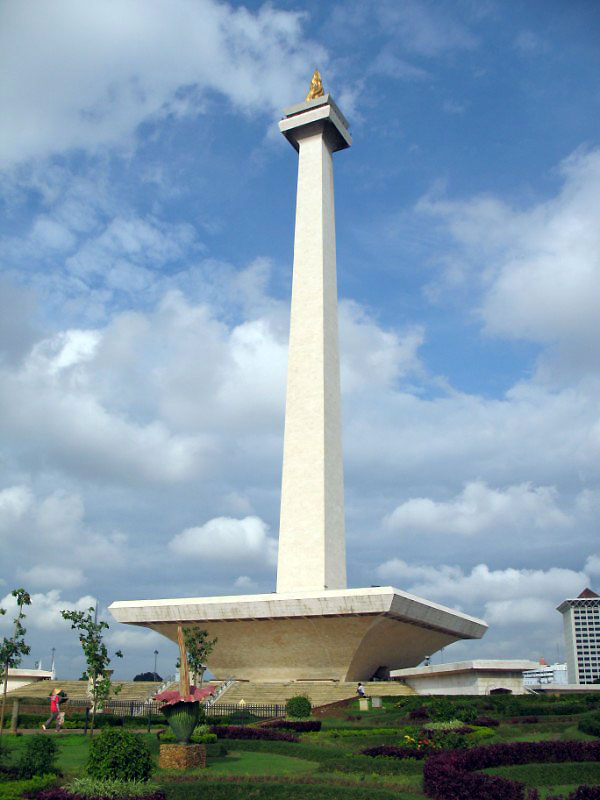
(247, 710)
(148, 708)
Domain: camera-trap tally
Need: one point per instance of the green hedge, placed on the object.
(249, 790)
(77, 720)
(15, 790)
(590, 724)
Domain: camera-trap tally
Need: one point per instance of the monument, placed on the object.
(313, 627)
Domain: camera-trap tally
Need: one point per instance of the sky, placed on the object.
(146, 235)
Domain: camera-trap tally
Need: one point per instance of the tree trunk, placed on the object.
(94, 703)
(3, 699)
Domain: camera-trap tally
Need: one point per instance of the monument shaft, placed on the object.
(312, 550)
(313, 627)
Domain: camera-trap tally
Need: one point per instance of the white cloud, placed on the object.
(224, 539)
(120, 63)
(592, 565)
(134, 639)
(523, 611)
(506, 597)
(44, 611)
(480, 509)
(45, 575)
(15, 501)
(539, 267)
(65, 544)
(484, 585)
(245, 583)
(371, 356)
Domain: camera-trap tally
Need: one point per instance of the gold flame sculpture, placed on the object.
(316, 87)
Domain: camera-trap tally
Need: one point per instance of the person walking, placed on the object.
(55, 712)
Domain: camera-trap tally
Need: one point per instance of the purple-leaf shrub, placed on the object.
(486, 722)
(240, 732)
(300, 726)
(449, 775)
(395, 752)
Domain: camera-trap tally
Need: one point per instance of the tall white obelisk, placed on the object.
(312, 546)
(313, 627)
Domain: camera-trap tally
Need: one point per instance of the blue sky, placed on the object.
(146, 231)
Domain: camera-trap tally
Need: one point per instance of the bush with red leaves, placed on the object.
(453, 775)
(240, 732)
(485, 722)
(395, 752)
(419, 713)
(300, 726)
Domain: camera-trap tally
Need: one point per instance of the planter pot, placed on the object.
(182, 756)
(182, 719)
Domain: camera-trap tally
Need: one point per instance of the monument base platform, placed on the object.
(343, 634)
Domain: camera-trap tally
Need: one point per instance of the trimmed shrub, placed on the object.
(17, 790)
(480, 734)
(585, 793)
(454, 774)
(298, 706)
(38, 757)
(389, 751)
(240, 732)
(485, 722)
(119, 755)
(419, 713)
(590, 724)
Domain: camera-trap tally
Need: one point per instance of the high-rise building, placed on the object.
(581, 620)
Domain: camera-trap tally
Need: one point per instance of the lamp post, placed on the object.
(155, 657)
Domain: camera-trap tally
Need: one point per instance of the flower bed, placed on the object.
(453, 775)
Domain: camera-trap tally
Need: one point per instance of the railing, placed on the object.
(164, 685)
(148, 708)
(220, 691)
(248, 710)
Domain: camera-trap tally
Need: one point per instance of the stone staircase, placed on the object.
(319, 692)
(78, 690)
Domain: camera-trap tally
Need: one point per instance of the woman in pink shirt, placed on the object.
(54, 710)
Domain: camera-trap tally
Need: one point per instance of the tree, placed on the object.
(95, 652)
(197, 647)
(12, 650)
(148, 676)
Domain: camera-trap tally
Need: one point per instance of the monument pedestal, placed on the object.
(342, 635)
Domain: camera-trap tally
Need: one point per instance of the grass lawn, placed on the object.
(239, 762)
(551, 778)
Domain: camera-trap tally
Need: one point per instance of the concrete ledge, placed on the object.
(342, 635)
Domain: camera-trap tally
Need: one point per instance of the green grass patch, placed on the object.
(550, 774)
(243, 763)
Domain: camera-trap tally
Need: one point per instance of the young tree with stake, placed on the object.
(95, 652)
(12, 650)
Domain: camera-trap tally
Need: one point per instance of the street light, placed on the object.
(155, 657)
